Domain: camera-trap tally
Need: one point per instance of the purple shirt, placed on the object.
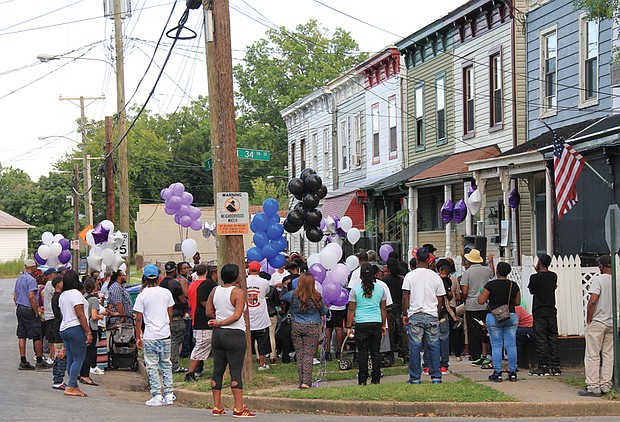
(24, 285)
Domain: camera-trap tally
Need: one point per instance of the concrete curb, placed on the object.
(378, 408)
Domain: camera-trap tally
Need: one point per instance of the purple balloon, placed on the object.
(166, 193)
(177, 219)
(38, 258)
(64, 257)
(194, 212)
(460, 211)
(336, 220)
(64, 243)
(169, 211)
(514, 199)
(322, 225)
(470, 190)
(196, 225)
(177, 188)
(174, 202)
(187, 198)
(331, 291)
(384, 251)
(100, 234)
(446, 211)
(318, 271)
(343, 299)
(185, 221)
(183, 210)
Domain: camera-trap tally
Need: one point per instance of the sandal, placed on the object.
(91, 382)
(487, 366)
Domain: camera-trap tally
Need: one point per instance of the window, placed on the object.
(392, 124)
(350, 146)
(440, 96)
(343, 144)
(468, 100)
(314, 146)
(589, 60)
(549, 53)
(419, 116)
(374, 111)
(357, 133)
(496, 110)
(293, 168)
(326, 141)
(302, 153)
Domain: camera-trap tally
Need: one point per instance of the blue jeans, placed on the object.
(444, 345)
(59, 369)
(157, 357)
(503, 336)
(423, 327)
(75, 343)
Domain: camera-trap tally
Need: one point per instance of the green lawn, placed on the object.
(11, 269)
(580, 383)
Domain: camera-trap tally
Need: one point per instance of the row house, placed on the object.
(350, 131)
(568, 78)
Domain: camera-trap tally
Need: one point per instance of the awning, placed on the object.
(402, 176)
(455, 164)
(342, 205)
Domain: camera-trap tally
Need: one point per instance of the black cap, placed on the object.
(170, 266)
(422, 254)
(50, 271)
(604, 260)
(429, 247)
(292, 265)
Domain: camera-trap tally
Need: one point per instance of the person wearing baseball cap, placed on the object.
(25, 297)
(258, 289)
(179, 310)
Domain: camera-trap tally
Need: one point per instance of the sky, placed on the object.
(30, 91)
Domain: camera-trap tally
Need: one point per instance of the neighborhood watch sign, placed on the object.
(233, 216)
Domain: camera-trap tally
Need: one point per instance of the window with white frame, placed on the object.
(419, 116)
(343, 144)
(374, 111)
(440, 105)
(495, 106)
(326, 141)
(357, 141)
(588, 59)
(314, 147)
(350, 141)
(392, 123)
(302, 153)
(548, 66)
(293, 166)
(468, 100)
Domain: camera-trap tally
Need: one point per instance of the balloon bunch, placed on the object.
(53, 251)
(178, 203)
(309, 190)
(104, 243)
(332, 275)
(456, 212)
(340, 228)
(268, 236)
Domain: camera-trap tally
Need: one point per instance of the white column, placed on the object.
(549, 214)
(468, 230)
(413, 218)
(447, 194)
(505, 182)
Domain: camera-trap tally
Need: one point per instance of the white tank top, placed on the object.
(225, 309)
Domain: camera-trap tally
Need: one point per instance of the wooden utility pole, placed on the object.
(76, 215)
(109, 170)
(224, 139)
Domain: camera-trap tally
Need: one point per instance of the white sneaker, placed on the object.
(97, 371)
(157, 400)
(49, 361)
(263, 367)
(315, 361)
(169, 399)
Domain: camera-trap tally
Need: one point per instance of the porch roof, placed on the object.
(402, 176)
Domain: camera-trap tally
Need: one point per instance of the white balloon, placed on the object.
(313, 259)
(189, 247)
(47, 238)
(94, 262)
(346, 223)
(89, 238)
(107, 245)
(55, 249)
(118, 261)
(352, 262)
(474, 202)
(353, 235)
(53, 262)
(117, 238)
(44, 251)
(330, 224)
(108, 225)
(57, 237)
(108, 257)
(336, 248)
(123, 267)
(330, 256)
(96, 251)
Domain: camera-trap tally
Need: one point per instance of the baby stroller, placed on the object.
(123, 351)
(348, 354)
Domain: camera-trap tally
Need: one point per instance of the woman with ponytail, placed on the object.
(367, 310)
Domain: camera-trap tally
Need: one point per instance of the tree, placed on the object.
(264, 189)
(609, 9)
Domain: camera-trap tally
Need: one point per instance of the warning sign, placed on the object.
(233, 217)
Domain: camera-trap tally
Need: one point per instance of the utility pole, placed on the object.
(88, 200)
(224, 138)
(76, 215)
(109, 170)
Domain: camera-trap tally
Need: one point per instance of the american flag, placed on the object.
(567, 165)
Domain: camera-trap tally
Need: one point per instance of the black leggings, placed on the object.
(90, 361)
(228, 348)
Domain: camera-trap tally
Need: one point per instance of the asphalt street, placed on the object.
(27, 395)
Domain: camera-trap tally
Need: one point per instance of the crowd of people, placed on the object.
(422, 311)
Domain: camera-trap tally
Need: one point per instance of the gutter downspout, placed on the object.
(335, 180)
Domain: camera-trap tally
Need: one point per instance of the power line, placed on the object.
(41, 16)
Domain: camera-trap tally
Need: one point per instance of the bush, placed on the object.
(11, 269)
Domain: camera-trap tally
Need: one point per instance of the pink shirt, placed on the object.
(525, 318)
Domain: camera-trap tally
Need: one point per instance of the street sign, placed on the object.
(253, 154)
(75, 244)
(123, 249)
(209, 164)
(613, 209)
(233, 216)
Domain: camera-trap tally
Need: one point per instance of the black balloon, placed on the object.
(314, 234)
(299, 196)
(322, 192)
(296, 186)
(311, 200)
(313, 183)
(313, 217)
(305, 173)
(295, 218)
(289, 227)
(300, 207)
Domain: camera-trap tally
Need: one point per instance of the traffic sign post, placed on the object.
(612, 235)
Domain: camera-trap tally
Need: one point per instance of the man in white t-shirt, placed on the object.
(258, 289)
(276, 278)
(423, 293)
(154, 307)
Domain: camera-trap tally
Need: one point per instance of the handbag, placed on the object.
(502, 313)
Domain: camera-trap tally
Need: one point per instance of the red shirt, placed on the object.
(525, 318)
(192, 292)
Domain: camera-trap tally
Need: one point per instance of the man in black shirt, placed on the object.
(394, 281)
(179, 312)
(542, 286)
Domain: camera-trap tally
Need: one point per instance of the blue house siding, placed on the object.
(561, 15)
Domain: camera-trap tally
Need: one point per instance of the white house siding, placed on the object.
(350, 100)
(477, 53)
(13, 244)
